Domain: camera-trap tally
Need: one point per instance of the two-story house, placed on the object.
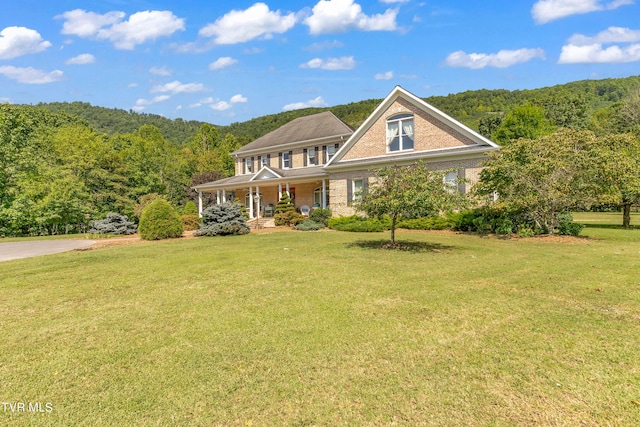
(322, 162)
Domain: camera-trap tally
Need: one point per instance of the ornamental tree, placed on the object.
(548, 176)
(408, 192)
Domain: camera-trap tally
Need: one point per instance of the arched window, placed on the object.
(400, 132)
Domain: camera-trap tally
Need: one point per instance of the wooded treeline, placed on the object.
(64, 164)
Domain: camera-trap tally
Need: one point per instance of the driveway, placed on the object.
(17, 250)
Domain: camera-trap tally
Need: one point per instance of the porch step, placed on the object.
(261, 223)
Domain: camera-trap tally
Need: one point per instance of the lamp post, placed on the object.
(257, 199)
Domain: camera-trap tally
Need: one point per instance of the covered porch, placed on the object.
(260, 192)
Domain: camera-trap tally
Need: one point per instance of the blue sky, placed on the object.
(224, 62)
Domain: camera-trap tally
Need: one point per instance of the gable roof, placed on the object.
(319, 126)
(481, 143)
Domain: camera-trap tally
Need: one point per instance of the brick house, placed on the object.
(322, 162)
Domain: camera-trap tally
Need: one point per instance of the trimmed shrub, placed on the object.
(190, 222)
(493, 219)
(190, 208)
(427, 223)
(284, 204)
(320, 215)
(142, 203)
(310, 225)
(160, 221)
(223, 220)
(290, 218)
(358, 224)
(113, 224)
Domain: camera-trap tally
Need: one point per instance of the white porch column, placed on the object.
(251, 202)
(258, 201)
(218, 196)
(288, 192)
(200, 203)
(324, 194)
(224, 196)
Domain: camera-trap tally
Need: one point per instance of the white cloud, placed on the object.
(332, 64)
(235, 99)
(502, 59)
(582, 49)
(178, 87)
(139, 28)
(31, 75)
(142, 103)
(222, 62)
(240, 26)
(316, 102)
(339, 16)
(384, 76)
(85, 58)
(220, 106)
(549, 10)
(160, 71)
(18, 41)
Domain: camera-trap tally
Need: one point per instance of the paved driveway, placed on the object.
(16, 250)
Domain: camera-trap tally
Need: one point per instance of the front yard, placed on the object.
(322, 329)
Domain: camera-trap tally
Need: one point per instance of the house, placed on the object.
(322, 162)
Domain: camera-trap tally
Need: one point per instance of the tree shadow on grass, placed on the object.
(402, 245)
(611, 226)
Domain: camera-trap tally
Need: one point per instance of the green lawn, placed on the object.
(321, 329)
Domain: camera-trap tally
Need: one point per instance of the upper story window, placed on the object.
(248, 165)
(264, 161)
(331, 151)
(400, 132)
(286, 159)
(312, 156)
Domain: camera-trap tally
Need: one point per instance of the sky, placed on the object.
(224, 62)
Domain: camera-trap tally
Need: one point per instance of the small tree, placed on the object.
(223, 219)
(160, 221)
(408, 192)
(548, 176)
(284, 204)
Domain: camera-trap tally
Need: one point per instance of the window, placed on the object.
(400, 132)
(248, 165)
(265, 160)
(312, 156)
(286, 160)
(450, 180)
(358, 186)
(331, 151)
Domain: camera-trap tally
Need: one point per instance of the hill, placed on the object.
(469, 107)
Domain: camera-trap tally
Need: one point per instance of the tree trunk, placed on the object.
(626, 215)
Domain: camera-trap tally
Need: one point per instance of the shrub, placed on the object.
(320, 215)
(113, 224)
(290, 218)
(222, 220)
(358, 224)
(190, 208)
(190, 222)
(284, 204)
(143, 202)
(493, 219)
(427, 223)
(309, 225)
(567, 227)
(160, 221)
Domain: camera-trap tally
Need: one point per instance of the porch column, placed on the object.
(324, 194)
(279, 191)
(199, 203)
(218, 196)
(258, 201)
(288, 192)
(251, 202)
(224, 196)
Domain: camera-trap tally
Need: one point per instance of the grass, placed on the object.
(325, 329)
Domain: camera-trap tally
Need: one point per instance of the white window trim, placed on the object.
(403, 117)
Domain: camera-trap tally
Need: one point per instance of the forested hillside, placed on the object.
(64, 164)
